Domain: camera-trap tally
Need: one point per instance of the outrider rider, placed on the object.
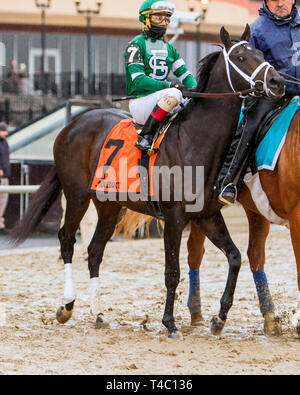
(276, 32)
(148, 62)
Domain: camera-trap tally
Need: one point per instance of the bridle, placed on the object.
(257, 88)
(261, 86)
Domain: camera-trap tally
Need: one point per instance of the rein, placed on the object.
(192, 94)
(256, 87)
(294, 80)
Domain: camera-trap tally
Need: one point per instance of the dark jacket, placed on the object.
(4, 158)
(279, 40)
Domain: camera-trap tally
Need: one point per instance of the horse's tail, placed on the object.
(132, 221)
(40, 204)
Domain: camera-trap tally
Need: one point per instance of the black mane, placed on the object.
(205, 67)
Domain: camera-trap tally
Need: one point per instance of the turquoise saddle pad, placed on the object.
(270, 147)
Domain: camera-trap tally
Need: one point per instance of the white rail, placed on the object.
(18, 188)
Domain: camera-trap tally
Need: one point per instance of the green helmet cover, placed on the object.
(153, 7)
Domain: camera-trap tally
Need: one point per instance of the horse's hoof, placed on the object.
(100, 324)
(296, 321)
(298, 328)
(175, 335)
(272, 325)
(216, 325)
(63, 315)
(197, 319)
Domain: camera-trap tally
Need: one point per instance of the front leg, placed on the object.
(196, 251)
(172, 239)
(215, 229)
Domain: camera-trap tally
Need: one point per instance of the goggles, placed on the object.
(160, 18)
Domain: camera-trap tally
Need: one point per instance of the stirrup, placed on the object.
(143, 143)
(231, 196)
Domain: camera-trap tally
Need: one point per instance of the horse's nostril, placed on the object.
(277, 82)
(274, 81)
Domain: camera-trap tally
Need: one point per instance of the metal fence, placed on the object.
(17, 110)
(65, 84)
(25, 99)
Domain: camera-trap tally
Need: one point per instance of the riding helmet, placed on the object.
(150, 7)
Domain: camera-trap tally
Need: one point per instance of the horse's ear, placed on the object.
(225, 37)
(246, 34)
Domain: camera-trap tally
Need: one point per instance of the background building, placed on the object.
(50, 51)
(71, 67)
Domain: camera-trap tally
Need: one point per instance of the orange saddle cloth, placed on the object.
(118, 167)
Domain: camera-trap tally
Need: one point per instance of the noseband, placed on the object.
(262, 86)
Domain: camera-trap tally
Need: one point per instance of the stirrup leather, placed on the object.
(161, 131)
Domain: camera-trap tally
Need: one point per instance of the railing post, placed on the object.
(6, 110)
(24, 180)
(21, 183)
(68, 112)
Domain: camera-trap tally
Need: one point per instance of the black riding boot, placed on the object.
(237, 154)
(145, 138)
(242, 146)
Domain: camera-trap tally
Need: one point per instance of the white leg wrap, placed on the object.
(296, 316)
(95, 296)
(69, 292)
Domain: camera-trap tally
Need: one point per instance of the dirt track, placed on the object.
(32, 342)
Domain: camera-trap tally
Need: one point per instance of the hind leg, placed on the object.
(294, 219)
(259, 228)
(75, 210)
(108, 214)
(196, 251)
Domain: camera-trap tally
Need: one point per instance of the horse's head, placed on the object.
(246, 67)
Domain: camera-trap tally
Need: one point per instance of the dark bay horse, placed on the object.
(282, 187)
(198, 139)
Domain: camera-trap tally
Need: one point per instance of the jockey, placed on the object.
(148, 62)
(276, 32)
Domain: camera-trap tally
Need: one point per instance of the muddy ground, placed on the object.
(32, 342)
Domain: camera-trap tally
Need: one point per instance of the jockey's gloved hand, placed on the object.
(176, 85)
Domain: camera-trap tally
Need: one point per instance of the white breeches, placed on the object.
(141, 108)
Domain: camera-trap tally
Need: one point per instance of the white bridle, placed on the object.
(246, 77)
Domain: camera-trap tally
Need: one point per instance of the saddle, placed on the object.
(263, 130)
(122, 169)
(271, 140)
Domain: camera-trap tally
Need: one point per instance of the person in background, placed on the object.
(4, 174)
(12, 77)
(23, 79)
(276, 32)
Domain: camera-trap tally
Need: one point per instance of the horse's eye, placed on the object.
(240, 58)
